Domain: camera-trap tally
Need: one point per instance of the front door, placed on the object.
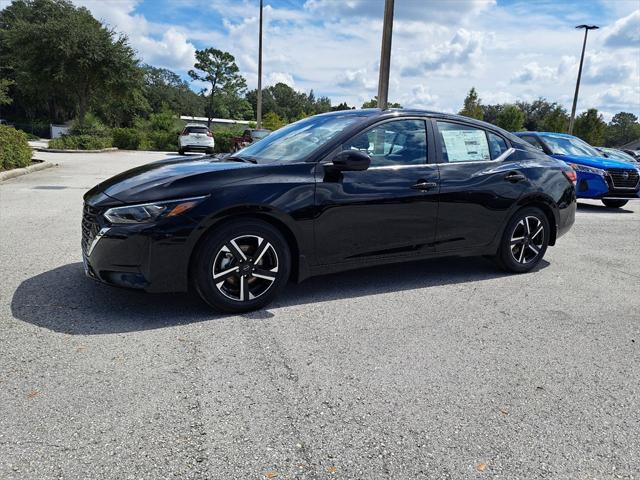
(388, 209)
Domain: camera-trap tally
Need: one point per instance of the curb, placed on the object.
(57, 150)
(17, 172)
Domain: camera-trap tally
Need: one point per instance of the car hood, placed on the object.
(170, 179)
(595, 162)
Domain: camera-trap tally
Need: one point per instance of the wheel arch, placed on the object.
(298, 266)
(547, 205)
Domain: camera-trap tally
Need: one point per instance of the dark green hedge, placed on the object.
(14, 148)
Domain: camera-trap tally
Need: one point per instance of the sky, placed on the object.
(508, 49)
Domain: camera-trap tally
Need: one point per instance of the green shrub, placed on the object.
(80, 142)
(162, 140)
(14, 148)
(127, 138)
(91, 126)
(223, 137)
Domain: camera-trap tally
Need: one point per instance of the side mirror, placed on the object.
(351, 161)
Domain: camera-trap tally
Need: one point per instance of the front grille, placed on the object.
(624, 178)
(90, 227)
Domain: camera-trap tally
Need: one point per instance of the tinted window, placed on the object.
(401, 142)
(204, 130)
(497, 145)
(532, 140)
(462, 143)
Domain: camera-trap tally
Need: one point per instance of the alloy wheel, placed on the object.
(245, 268)
(527, 240)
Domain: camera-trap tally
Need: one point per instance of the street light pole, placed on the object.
(259, 100)
(385, 55)
(575, 96)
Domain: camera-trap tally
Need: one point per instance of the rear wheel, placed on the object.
(614, 203)
(181, 151)
(209, 151)
(524, 241)
(242, 266)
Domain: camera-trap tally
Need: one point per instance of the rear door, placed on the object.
(480, 180)
(387, 210)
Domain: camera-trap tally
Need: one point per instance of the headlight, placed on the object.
(582, 168)
(150, 212)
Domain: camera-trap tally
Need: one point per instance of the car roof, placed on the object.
(195, 125)
(407, 112)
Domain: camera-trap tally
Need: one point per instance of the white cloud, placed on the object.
(534, 72)
(161, 46)
(461, 52)
(624, 33)
(359, 79)
(280, 77)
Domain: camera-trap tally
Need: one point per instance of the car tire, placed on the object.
(614, 203)
(181, 151)
(523, 244)
(241, 266)
(209, 151)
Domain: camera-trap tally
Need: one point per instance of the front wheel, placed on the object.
(241, 266)
(524, 241)
(614, 203)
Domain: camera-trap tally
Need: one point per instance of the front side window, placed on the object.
(462, 143)
(399, 142)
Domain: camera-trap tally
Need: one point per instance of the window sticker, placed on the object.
(466, 145)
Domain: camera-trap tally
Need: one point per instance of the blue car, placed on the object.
(612, 181)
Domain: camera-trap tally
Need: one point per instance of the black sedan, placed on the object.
(328, 193)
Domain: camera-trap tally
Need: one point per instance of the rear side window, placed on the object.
(497, 145)
(463, 143)
(204, 130)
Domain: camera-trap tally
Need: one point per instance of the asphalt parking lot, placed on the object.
(439, 369)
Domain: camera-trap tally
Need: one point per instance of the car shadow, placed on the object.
(64, 300)
(591, 208)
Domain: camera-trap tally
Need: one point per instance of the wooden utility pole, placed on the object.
(385, 55)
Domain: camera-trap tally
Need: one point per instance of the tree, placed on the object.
(472, 106)
(623, 128)
(61, 57)
(165, 89)
(535, 112)
(555, 120)
(272, 121)
(510, 118)
(490, 113)
(373, 103)
(219, 70)
(5, 99)
(590, 127)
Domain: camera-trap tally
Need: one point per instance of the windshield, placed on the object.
(618, 155)
(570, 146)
(298, 140)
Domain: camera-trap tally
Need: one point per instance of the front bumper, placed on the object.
(152, 257)
(597, 187)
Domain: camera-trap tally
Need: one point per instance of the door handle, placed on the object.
(424, 186)
(514, 177)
